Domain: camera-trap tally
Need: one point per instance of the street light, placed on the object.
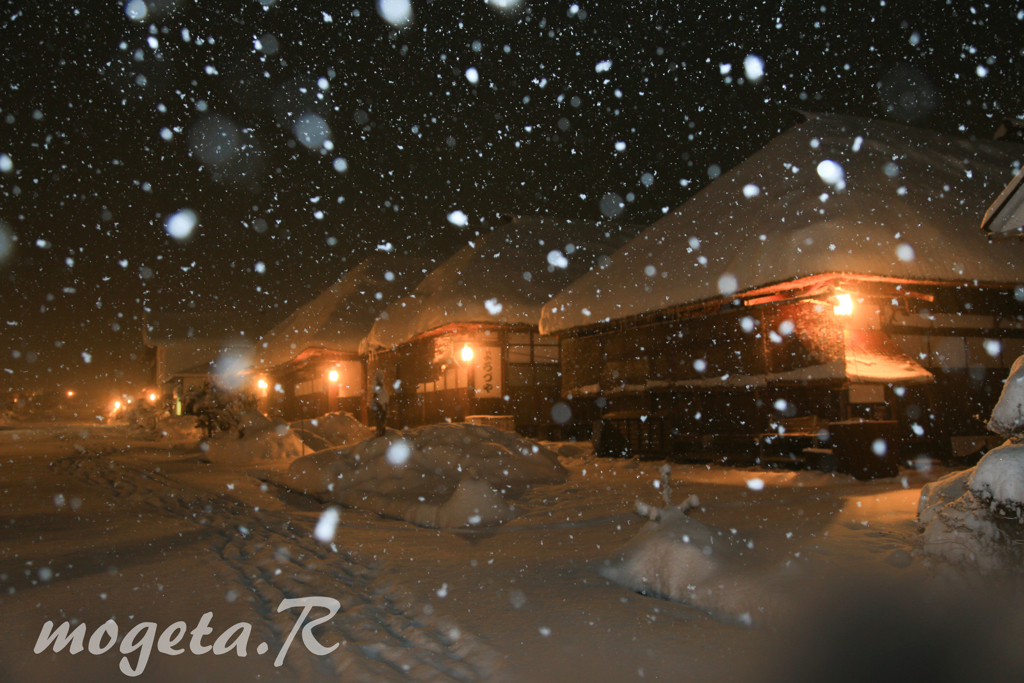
(152, 397)
(333, 375)
(262, 384)
(467, 353)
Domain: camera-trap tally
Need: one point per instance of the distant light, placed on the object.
(467, 353)
(262, 384)
(152, 397)
(117, 405)
(333, 375)
(845, 306)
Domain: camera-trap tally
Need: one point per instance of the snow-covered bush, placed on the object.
(999, 479)
(680, 558)
(976, 517)
(255, 440)
(218, 409)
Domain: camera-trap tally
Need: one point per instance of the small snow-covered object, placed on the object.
(999, 476)
(1008, 415)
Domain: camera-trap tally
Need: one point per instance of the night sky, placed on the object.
(114, 117)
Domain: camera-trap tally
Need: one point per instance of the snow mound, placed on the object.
(999, 476)
(680, 558)
(336, 429)
(261, 440)
(1008, 415)
(439, 476)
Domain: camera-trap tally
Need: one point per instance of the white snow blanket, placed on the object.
(339, 318)
(1008, 416)
(439, 476)
(835, 194)
(262, 440)
(503, 276)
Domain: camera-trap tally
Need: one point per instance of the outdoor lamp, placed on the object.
(845, 306)
(262, 384)
(152, 397)
(467, 353)
(333, 375)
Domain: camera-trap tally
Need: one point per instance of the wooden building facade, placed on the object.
(838, 274)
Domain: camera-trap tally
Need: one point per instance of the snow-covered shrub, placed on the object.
(256, 440)
(999, 479)
(218, 409)
(680, 558)
(976, 517)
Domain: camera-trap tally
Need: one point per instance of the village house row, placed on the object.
(839, 273)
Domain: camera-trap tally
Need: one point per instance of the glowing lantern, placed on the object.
(333, 375)
(70, 393)
(467, 353)
(152, 397)
(262, 384)
(845, 306)
(117, 405)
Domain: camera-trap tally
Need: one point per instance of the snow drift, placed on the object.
(262, 440)
(439, 476)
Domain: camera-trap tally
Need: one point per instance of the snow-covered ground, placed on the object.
(97, 524)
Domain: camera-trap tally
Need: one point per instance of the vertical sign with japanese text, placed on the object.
(487, 373)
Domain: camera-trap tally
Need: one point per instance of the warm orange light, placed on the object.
(152, 397)
(117, 405)
(333, 375)
(845, 306)
(70, 393)
(262, 384)
(467, 353)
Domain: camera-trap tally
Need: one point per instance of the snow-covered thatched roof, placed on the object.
(503, 276)
(339, 318)
(835, 194)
